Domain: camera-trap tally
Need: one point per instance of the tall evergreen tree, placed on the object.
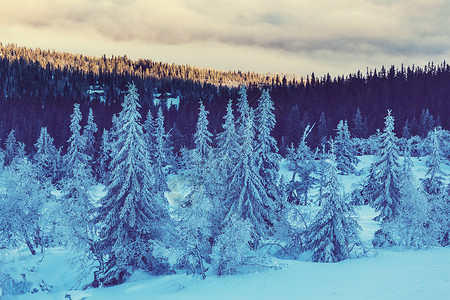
(161, 146)
(358, 126)
(202, 140)
(78, 207)
(195, 226)
(292, 126)
(132, 215)
(227, 144)
(344, 150)
(385, 193)
(302, 164)
(413, 225)
(76, 154)
(89, 136)
(266, 150)
(46, 157)
(434, 182)
(426, 122)
(248, 199)
(334, 230)
(11, 147)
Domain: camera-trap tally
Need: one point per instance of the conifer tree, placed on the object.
(266, 150)
(132, 214)
(358, 129)
(248, 199)
(344, 151)
(195, 230)
(413, 225)
(434, 182)
(302, 164)
(195, 225)
(21, 153)
(76, 154)
(406, 131)
(46, 156)
(227, 145)
(203, 149)
(426, 122)
(334, 230)
(78, 208)
(383, 190)
(11, 147)
(89, 136)
(160, 154)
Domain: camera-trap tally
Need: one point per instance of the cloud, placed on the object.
(309, 28)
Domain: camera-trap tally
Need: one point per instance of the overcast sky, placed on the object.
(294, 36)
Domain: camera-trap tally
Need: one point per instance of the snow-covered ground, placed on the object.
(385, 274)
(394, 273)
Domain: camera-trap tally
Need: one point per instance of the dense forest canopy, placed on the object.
(39, 87)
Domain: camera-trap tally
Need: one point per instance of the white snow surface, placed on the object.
(387, 274)
(394, 273)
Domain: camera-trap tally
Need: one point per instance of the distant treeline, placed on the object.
(38, 88)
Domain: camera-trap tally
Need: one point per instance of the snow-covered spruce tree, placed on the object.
(78, 209)
(334, 230)
(434, 186)
(440, 212)
(345, 153)
(194, 232)
(76, 154)
(132, 214)
(384, 194)
(321, 171)
(195, 215)
(370, 187)
(227, 145)
(248, 199)
(23, 198)
(225, 159)
(11, 147)
(203, 149)
(412, 226)
(46, 157)
(434, 182)
(267, 157)
(160, 144)
(76, 204)
(89, 132)
(302, 164)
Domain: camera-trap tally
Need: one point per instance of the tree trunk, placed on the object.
(30, 246)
